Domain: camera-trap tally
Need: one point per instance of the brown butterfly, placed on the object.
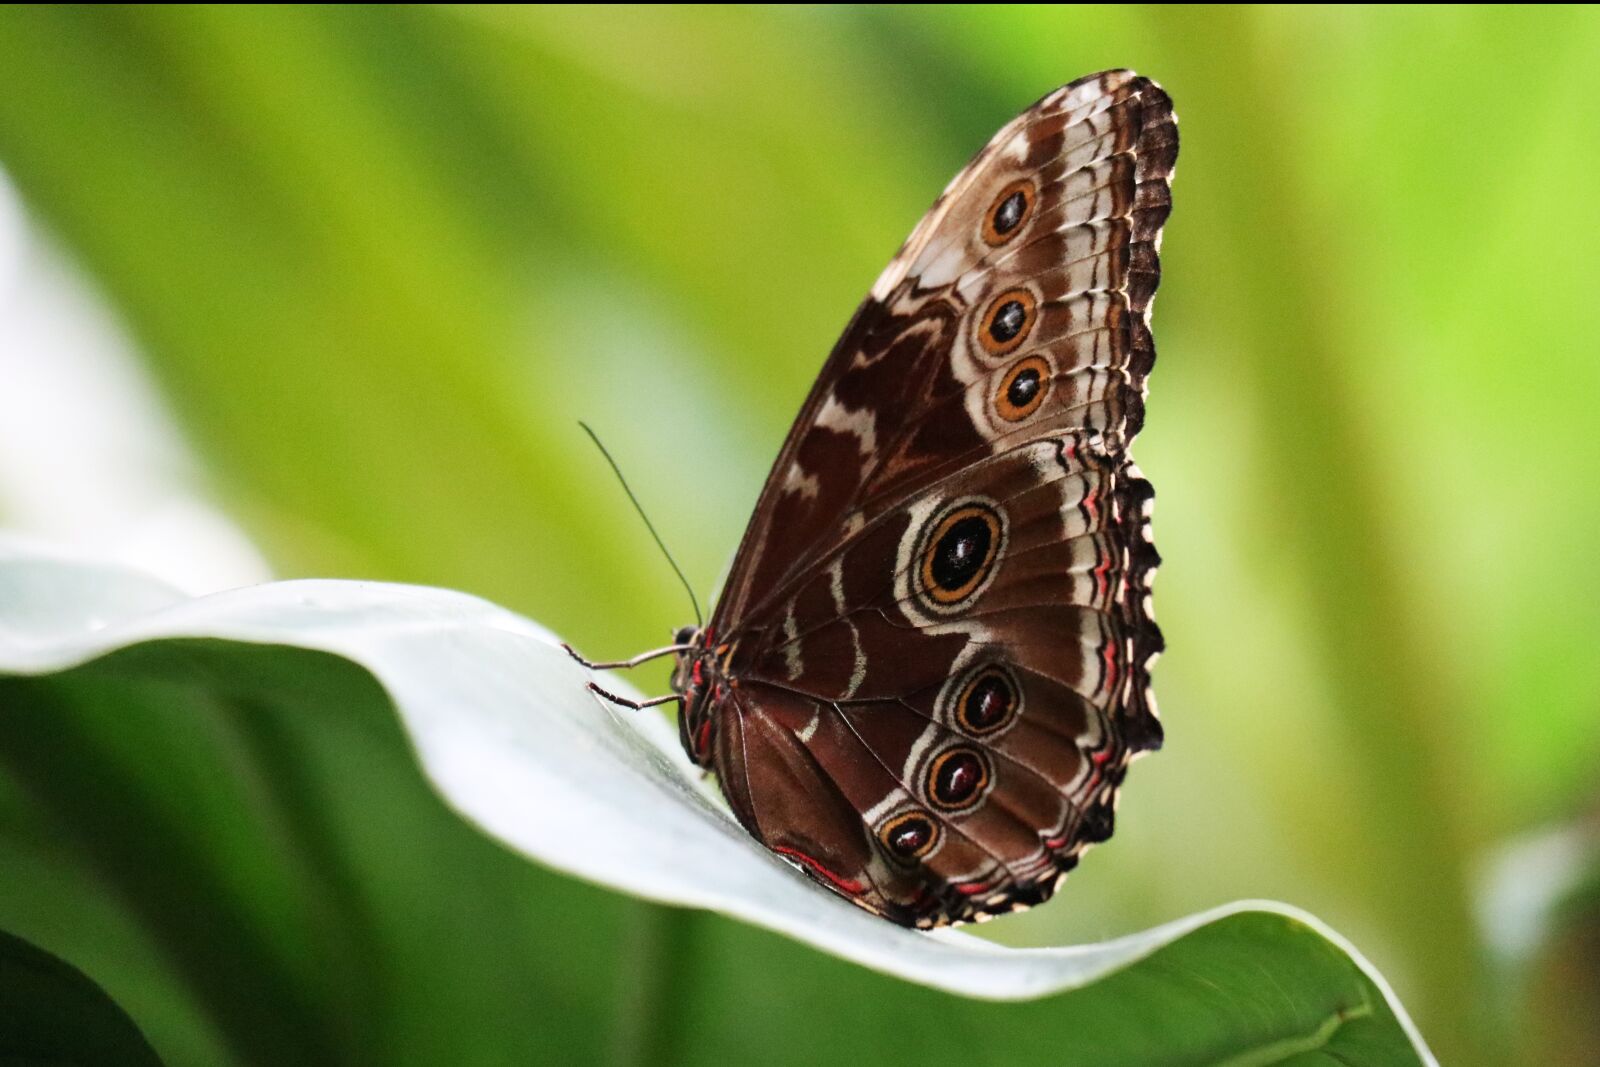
(929, 669)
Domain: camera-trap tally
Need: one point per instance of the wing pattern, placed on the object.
(932, 657)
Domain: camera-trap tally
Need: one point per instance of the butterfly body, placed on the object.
(929, 668)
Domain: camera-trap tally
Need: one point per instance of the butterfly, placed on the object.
(929, 667)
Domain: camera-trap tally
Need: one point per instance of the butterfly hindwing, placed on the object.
(1024, 658)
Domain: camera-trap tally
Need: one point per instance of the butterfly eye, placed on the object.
(1008, 212)
(960, 553)
(910, 836)
(1023, 388)
(1007, 322)
(957, 778)
(988, 703)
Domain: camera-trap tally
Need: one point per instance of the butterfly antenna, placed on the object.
(698, 618)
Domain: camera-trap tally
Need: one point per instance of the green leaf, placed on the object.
(506, 732)
(51, 1013)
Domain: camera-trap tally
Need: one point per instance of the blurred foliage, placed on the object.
(50, 1012)
(1558, 985)
(381, 258)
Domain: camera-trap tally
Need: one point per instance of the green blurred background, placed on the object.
(378, 261)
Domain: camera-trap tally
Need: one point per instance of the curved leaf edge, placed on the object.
(51, 1012)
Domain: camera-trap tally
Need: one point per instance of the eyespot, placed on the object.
(1011, 207)
(1022, 389)
(959, 553)
(1007, 322)
(909, 836)
(957, 778)
(988, 703)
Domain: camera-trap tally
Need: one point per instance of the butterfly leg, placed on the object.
(623, 664)
(643, 657)
(636, 705)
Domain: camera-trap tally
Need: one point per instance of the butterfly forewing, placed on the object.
(931, 659)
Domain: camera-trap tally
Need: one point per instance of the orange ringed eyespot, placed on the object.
(957, 778)
(1023, 389)
(1008, 321)
(988, 702)
(910, 836)
(959, 554)
(1010, 209)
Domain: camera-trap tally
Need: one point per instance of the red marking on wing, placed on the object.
(1098, 759)
(844, 885)
(972, 889)
(1100, 583)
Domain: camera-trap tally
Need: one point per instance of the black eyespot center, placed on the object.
(1008, 321)
(911, 836)
(1009, 214)
(1024, 387)
(961, 551)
